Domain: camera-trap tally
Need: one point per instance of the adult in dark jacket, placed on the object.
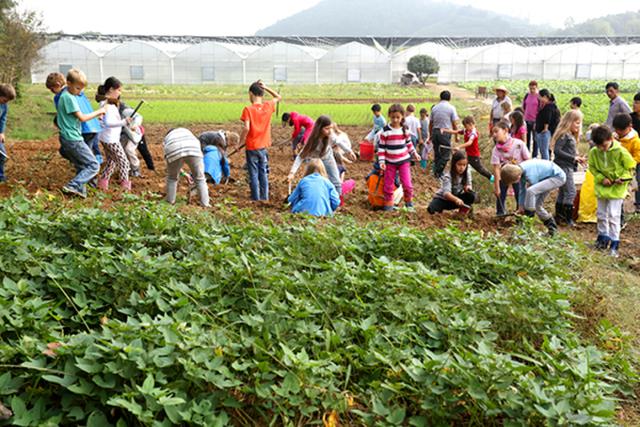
(546, 123)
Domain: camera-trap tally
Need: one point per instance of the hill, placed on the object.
(622, 24)
(426, 18)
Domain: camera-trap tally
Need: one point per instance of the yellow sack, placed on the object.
(588, 202)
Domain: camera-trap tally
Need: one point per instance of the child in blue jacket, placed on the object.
(315, 194)
(216, 164)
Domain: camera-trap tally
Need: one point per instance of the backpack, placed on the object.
(375, 187)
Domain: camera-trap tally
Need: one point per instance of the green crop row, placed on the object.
(140, 315)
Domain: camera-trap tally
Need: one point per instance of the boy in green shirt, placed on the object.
(72, 145)
(612, 168)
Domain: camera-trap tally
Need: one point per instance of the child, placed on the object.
(302, 126)
(471, 145)
(72, 144)
(112, 123)
(7, 94)
(56, 84)
(455, 191)
(378, 123)
(216, 164)
(424, 124)
(546, 123)
(142, 145)
(629, 139)
(611, 166)
(543, 177)
(256, 136)
(340, 139)
(575, 103)
(565, 151)
(507, 150)
(394, 155)
(518, 127)
(315, 194)
(180, 147)
(320, 146)
(130, 138)
(413, 126)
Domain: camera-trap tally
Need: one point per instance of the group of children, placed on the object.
(400, 142)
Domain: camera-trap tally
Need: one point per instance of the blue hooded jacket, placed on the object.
(215, 165)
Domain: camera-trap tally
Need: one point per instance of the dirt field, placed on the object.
(37, 166)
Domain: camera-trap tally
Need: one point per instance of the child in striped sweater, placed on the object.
(394, 155)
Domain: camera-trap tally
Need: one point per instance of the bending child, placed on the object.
(180, 147)
(315, 194)
(455, 190)
(214, 149)
(543, 177)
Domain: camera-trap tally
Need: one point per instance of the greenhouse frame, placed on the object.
(314, 60)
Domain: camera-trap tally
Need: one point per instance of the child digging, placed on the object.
(180, 147)
(455, 191)
(69, 117)
(543, 176)
(7, 94)
(394, 155)
(612, 168)
(315, 194)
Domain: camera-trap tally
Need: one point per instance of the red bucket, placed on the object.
(366, 151)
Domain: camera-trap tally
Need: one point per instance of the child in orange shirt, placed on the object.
(256, 136)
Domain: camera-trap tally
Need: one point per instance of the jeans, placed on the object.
(543, 139)
(501, 202)
(441, 151)
(91, 139)
(532, 146)
(81, 156)
(438, 205)
(389, 182)
(535, 195)
(196, 165)
(257, 167)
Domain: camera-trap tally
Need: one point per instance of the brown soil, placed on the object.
(37, 166)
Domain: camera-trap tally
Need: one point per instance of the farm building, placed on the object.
(239, 60)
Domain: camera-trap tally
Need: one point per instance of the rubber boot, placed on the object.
(568, 215)
(529, 214)
(551, 226)
(103, 184)
(126, 185)
(560, 213)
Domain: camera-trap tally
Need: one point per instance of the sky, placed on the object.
(245, 17)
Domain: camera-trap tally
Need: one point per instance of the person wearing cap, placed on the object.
(497, 108)
(302, 127)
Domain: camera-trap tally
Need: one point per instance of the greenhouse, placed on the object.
(192, 60)
(141, 62)
(355, 63)
(210, 62)
(284, 63)
(62, 55)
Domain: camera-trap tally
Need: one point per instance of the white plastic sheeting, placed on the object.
(284, 63)
(214, 62)
(354, 63)
(209, 62)
(63, 55)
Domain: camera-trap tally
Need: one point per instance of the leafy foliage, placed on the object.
(144, 316)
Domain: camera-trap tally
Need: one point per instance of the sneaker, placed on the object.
(67, 189)
(408, 205)
(614, 253)
(389, 208)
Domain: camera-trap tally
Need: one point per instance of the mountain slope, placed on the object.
(413, 18)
